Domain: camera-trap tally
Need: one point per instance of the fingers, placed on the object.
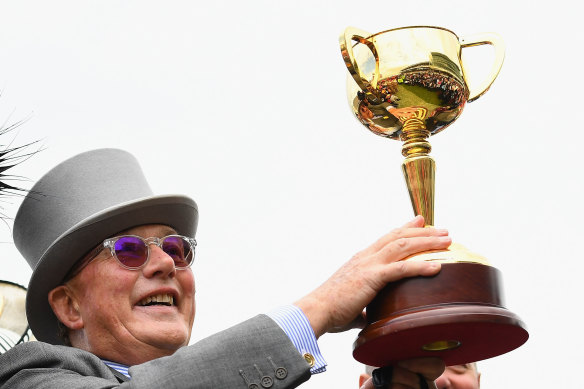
(404, 247)
(394, 253)
(430, 368)
(404, 269)
(418, 221)
(404, 378)
(414, 228)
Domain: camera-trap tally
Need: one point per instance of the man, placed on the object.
(465, 376)
(112, 295)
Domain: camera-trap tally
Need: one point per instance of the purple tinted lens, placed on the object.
(179, 250)
(131, 251)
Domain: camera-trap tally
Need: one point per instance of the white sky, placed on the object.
(242, 106)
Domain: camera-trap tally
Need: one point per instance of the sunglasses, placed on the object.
(133, 252)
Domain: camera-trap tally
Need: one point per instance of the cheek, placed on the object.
(186, 280)
(107, 293)
(187, 283)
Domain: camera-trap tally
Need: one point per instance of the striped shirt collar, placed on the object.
(123, 369)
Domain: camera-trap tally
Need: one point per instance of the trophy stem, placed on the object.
(418, 167)
(414, 135)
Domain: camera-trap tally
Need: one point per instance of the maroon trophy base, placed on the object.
(457, 315)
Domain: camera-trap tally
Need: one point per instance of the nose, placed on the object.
(159, 264)
(443, 382)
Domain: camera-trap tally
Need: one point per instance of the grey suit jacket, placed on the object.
(247, 355)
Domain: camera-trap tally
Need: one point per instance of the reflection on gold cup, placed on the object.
(411, 72)
(408, 84)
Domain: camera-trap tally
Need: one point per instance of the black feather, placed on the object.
(11, 156)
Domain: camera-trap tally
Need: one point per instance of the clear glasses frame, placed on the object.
(110, 243)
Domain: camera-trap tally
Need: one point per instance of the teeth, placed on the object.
(159, 298)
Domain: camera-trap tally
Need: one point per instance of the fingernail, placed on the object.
(434, 265)
(445, 239)
(442, 231)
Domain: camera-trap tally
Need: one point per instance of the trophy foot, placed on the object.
(456, 315)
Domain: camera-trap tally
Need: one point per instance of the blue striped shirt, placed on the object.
(294, 323)
(118, 367)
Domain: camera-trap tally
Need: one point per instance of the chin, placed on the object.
(169, 339)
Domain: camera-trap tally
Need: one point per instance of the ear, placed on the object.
(362, 378)
(65, 307)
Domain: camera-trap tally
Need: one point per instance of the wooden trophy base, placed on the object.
(456, 315)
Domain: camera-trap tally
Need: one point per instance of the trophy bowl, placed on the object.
(408, 84)
(406, 69)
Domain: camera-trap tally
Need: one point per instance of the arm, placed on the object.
(216, 362)
(339, 302)
(213, 362)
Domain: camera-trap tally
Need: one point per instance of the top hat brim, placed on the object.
(177, 211)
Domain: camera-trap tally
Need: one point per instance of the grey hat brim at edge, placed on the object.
(177, 211)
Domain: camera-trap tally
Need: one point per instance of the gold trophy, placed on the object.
(408, 84)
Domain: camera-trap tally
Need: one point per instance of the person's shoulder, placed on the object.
(35, 347)
(33, 364)
(51, 355)
(31, 348)
(36, 357)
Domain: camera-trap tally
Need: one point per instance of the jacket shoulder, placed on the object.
(37, 361)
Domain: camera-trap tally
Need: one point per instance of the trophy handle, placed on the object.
(354, 34)
(486, 39)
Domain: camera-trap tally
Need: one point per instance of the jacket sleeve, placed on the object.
(255, 354)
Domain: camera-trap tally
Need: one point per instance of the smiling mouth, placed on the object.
(164, 299)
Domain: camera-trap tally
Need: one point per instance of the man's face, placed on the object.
(459, 377)
(117, 323)
(454, 377)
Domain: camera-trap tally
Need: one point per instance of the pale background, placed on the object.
(242, 106)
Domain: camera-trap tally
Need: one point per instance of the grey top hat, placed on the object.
(73, 208)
